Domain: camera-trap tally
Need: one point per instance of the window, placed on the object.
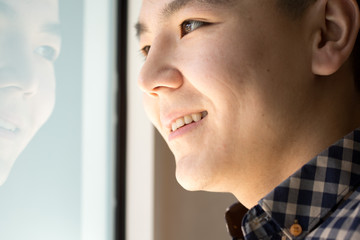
(62, 184)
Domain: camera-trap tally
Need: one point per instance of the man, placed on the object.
(29, 45)
(249, 95)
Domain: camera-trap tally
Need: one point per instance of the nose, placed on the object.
(17, 69)
(21, 78)
(159, 72)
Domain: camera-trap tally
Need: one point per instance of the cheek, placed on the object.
(43, 101)
(235, 77)
(219, 62)
(222, 77)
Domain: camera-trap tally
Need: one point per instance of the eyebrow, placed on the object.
(52, 28)
(175, 6)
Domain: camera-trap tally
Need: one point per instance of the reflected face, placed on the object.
(221, 85)
(29, 45)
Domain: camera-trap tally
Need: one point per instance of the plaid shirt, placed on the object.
(323, 197)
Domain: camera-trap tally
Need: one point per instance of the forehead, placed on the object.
(30, 16)
(35, 9)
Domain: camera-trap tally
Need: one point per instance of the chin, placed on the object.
(198, 173)
(2, 181)
(5, 169)
(193, 180)
(189, 185)
(4, 175)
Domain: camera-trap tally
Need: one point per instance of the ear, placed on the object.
(336, 37)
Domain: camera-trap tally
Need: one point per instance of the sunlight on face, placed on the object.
(228, 63)
(29, 45)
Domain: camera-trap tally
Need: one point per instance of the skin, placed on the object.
(268, 112)
(29, 45)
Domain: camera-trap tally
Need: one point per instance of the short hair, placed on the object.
(295, 10)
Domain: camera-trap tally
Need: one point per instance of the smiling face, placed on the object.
(231, 63)
(29, 45)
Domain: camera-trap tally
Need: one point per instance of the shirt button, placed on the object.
(295, 229)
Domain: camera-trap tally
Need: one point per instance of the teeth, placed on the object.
(196, 116)
(173, 126)
(188, 119)
(180, 122)
(7, 126)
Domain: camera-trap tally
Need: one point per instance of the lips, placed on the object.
(187, 119)
(7, 125)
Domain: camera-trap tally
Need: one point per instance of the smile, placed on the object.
(188, 119)
(7, 126)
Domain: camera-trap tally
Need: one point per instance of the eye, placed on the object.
(47, 52)
(190, 25)
(145, 50)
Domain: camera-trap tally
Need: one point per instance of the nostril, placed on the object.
(22, 79)
(152, 94)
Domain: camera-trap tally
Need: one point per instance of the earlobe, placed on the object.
(336, 37)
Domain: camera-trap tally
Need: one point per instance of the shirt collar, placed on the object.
(311, 193)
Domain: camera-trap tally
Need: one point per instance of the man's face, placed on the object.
(29, 44)
(242, 66)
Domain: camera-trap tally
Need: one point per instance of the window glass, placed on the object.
(49, 116)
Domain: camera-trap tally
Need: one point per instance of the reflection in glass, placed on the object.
(29, 45)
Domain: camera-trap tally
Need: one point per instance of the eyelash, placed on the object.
(189, 26)
(145, 50)
(47, 52)
(185, 27)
